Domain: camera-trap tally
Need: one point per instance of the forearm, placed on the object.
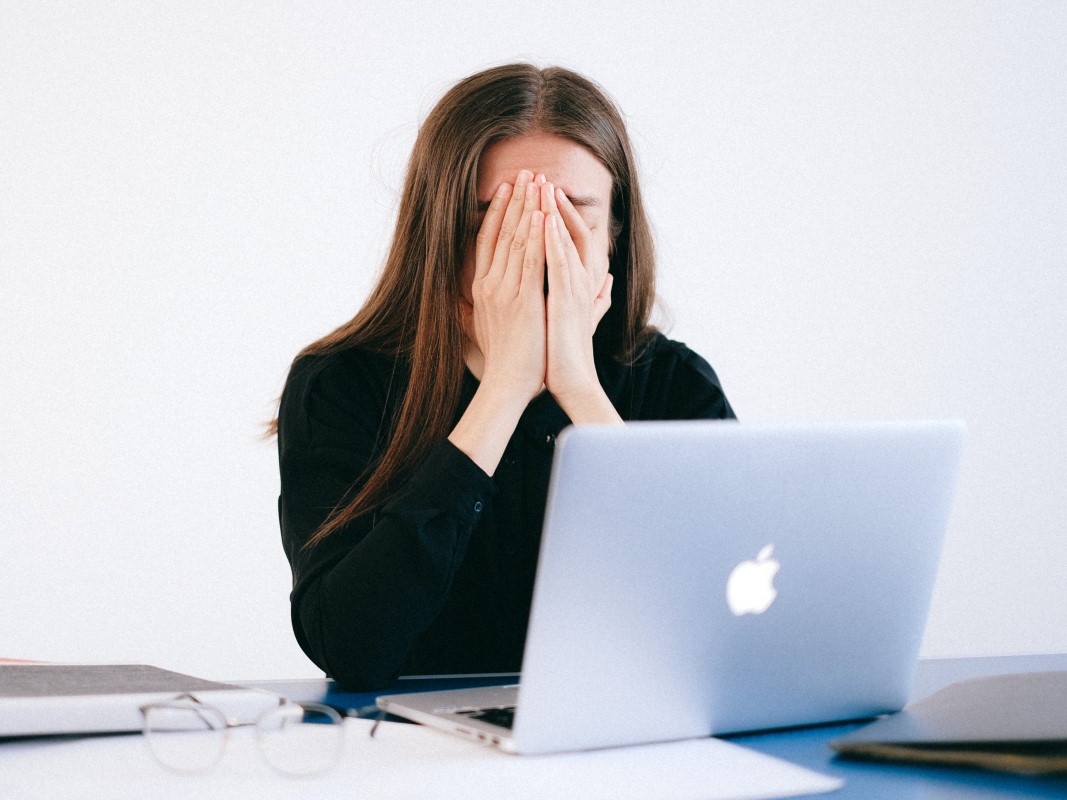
(487, 425)
(589, 407)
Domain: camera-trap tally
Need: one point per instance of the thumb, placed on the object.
(602, 302)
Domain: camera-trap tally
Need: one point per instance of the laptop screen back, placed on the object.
(828, 537)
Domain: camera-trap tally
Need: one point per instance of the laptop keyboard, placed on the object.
(503, 716)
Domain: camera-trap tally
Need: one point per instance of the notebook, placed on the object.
(1010, 723)
(701, 578)
(39, 699)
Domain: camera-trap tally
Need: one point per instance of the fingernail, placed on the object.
(525, 176)
(503, 190)
(532, 191)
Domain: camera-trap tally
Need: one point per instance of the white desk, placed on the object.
(120, 766)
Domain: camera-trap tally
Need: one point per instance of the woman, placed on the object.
(415, 441)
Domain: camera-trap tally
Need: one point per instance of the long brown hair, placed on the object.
(413, 312)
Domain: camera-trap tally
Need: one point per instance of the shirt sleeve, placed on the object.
(363, 596)
(695, 392)
(680, 384)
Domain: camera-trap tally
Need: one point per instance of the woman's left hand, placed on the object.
(579, 294)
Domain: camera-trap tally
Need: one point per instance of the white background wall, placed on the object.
(859, 208)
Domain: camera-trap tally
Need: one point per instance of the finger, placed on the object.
(559, 274)
(579, 231)
(548, 202)
(490, 229)
(603, 300)
(548, 199)
(517, 249)
(533, 261)
(512, 219)
(573, 225)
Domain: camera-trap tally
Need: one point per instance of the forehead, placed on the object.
(563, 162)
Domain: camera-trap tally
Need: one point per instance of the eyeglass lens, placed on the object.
(301, 740)
(185, 738)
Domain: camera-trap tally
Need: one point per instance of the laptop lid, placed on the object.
(710, 577)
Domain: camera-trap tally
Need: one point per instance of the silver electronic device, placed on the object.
(700, 578)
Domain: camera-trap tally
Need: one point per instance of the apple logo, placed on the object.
(750, 587)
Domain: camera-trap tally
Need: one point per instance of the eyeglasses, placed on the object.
(187, 736)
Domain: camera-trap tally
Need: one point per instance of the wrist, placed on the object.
(504, 397)
(507, 391)
(588, 406)
(486, 426)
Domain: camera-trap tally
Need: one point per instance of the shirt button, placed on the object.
(478, 507)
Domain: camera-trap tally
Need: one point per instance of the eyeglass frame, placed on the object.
(332, 714)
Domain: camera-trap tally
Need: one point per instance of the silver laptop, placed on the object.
(701, 578)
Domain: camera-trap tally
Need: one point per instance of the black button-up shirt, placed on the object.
(440, 579)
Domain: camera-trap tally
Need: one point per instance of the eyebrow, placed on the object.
(578, 201)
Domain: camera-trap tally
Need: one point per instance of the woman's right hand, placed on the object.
(507, 317)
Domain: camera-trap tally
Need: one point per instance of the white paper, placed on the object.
(407, 761)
